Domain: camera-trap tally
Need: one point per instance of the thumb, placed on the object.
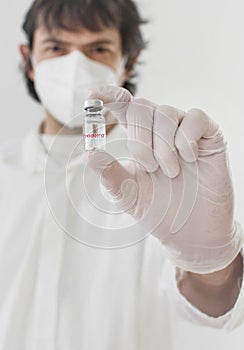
(117, 179)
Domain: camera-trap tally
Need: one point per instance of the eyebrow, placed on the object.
(94, 43)
(54, 40)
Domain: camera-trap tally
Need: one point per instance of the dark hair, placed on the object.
(93, 15)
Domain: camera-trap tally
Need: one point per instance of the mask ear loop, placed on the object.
(122, 66)
(32, 60)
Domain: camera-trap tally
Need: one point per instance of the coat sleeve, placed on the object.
(185, 310)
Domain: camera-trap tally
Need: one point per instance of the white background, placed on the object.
(195, 59)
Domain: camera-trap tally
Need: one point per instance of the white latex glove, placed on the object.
(178, 186)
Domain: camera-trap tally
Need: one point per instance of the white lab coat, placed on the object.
(57, 290)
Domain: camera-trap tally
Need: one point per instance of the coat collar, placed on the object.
(39, 150)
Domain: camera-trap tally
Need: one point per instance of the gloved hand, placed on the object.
(178, 185)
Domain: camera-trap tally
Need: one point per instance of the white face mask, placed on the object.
(62, 84)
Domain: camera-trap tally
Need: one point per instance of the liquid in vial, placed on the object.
(94, 129)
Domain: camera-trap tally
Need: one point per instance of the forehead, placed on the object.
(81, 36)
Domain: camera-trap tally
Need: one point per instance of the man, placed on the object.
(61, 287)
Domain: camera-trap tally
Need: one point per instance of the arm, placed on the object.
(179, 188)
(216, 293)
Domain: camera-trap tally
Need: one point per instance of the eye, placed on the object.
(55, 48)
(100, 50)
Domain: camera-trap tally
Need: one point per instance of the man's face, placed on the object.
(104, 46)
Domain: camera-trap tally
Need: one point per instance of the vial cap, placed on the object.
(94, 104)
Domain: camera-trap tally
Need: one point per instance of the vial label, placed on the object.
(94, 135)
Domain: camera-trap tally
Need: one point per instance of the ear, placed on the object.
(25, 54)
(130, 64)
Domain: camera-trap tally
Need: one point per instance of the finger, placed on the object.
(166, 121)
(115, 99)
(195, 125)
(118, 181)
(140, 116)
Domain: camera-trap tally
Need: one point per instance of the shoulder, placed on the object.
(10, 148)
(14, 150)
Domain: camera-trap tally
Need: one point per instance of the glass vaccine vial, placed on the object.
(94, 128)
